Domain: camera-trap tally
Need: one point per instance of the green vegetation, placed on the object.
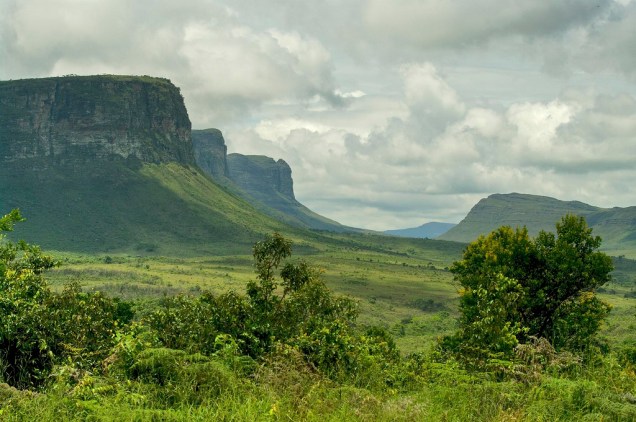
(516, 290)
(35, 335)
(289, 348)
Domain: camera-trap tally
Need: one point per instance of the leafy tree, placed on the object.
(514, 288)
(25, 352)
(256, 321)
(39, 328)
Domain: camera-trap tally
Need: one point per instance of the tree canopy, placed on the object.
(514, 287)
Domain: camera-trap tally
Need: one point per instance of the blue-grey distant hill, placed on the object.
(425, 231)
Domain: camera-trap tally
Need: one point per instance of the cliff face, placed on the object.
(258, 175)
(261, 176)
(210, 152)
(80, 119)
(263, 182)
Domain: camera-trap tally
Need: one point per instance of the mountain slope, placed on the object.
(158, 208)
(617, 226)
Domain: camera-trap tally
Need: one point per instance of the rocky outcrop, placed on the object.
(265, 183)
(210, 152)
(261, 176)
(81, 119)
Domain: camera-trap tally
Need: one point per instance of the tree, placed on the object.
(514, 288)
(35, 322)
(25, 352)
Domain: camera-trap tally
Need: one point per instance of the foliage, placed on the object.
(40, 328)
(289, 308)
(515, 288)
(220, 357)
(25, 351)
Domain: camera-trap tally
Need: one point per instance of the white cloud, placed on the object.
(390, 113)
(563, 148)
(223, 66)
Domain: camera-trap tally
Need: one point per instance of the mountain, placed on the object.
(617, 226)
(105, 163)
(210, 153)
(75, 120)
(265, 183)
(429, 230)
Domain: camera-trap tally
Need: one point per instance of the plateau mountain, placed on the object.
(106, 163)
(265, 183)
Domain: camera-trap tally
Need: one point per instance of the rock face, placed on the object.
(265, 183)
(261, 176)
(80, 119)
(210, 152)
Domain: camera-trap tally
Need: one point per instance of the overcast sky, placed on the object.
(391, 113)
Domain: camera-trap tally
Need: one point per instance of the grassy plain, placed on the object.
(400, 284)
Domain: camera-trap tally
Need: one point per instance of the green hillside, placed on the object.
(121, 206)
(617, 226)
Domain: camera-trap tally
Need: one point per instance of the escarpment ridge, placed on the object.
(78, 119)
(106, 163)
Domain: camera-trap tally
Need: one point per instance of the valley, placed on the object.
(154, 226)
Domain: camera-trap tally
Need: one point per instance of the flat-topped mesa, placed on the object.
(210, 152)
(265, 183)
(260, 174)
(80, 119)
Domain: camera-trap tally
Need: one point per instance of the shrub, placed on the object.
(515, 288)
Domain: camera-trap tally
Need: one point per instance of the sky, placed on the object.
(391, 113)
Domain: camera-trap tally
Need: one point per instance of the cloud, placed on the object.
(457, 24)
(571, 147)
(390, 113)
(223, 66)
(564, 36)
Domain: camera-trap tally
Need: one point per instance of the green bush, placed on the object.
(41, 328)
(515, 288)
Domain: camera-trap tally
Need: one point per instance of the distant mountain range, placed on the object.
(430, 230)
(617, 226)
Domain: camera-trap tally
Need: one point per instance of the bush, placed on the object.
(515, 288)
(36, 332)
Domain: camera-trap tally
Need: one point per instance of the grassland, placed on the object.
(188, 235)
(402, 285)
